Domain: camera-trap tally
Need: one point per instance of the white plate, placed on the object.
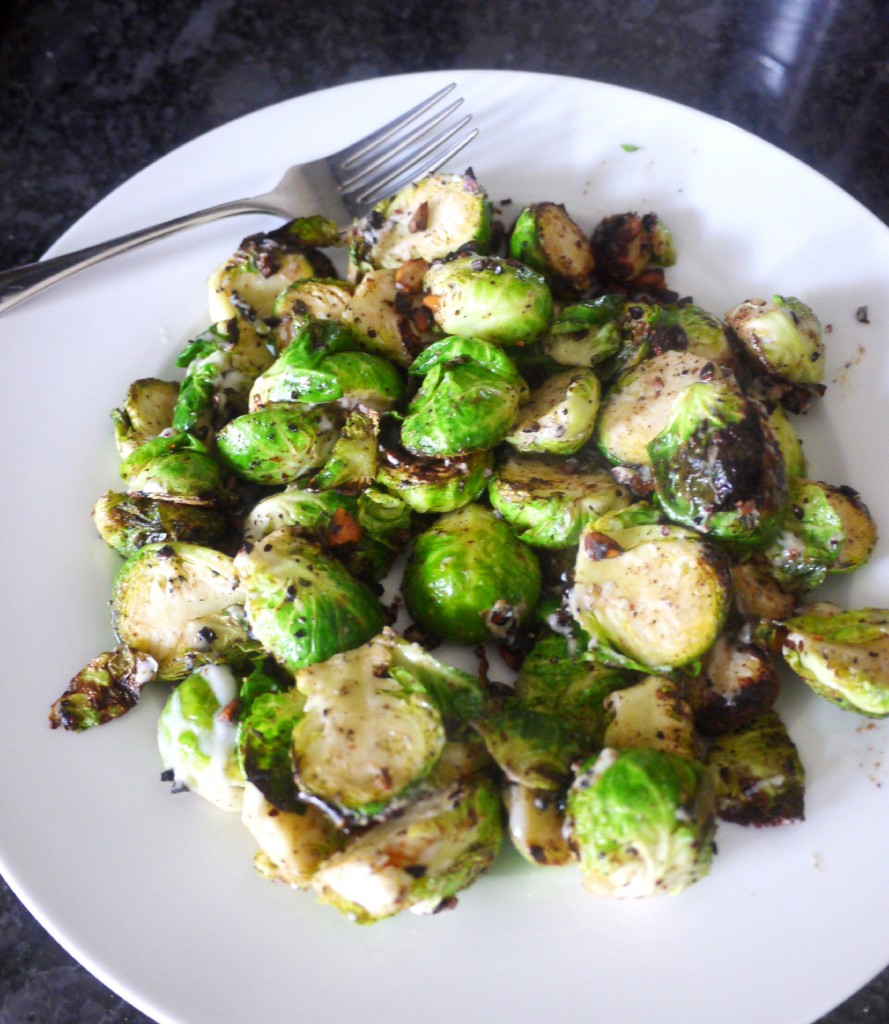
(157, 895)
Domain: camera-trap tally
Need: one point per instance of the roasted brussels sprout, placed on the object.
(174, 467)
(717, 466)
(586, 333)
(435, 485)
(759, 777)
(469, 579)
(321, 298)
(546, 239)
(782, 340)
(352, 463)
(468, 399)
(653, 714)
(625, 245)
(858, 526)
(104, 689)
(427, 220)
(146, 412)
(418, 861)
(535, 823)
(265, 745)
(642, 822)
(561, 415)
(652, 598)
(387, 319)
(128, 522)
(549, 501)
(301, 604)
(705, 335)
(842, 655)
(279, 444)
(737, 683)
(182, 604)
(501, 301)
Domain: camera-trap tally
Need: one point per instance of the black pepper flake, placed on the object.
(861, 315)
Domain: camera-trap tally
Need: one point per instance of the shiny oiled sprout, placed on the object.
(182, 604)
(323, 298)
(706, 335)
(652, 714)
(560, 417)
(128, 522)
(642, 822)
(418, 861)
(369, 733)
(717, 466)
(469, 579)
(858, 526)
(352, 464)
(146, 412)
(549, 241)
(842, 655)
(176, 467)
(759, 777)
(265, 745)
(501, 301)
(467, 401)
(435, 485)
(279, 444)
(292, 843)
(549, 501)
(535, 823)
(646, 329)
(811, 533)
(625, 245)
(301, 603)
(197, 737)
(586, 333)
(737, 683)
(104, 689)
(427, 220)
(652, 598)
(385, 517)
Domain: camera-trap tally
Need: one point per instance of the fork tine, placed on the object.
(345, 158)
(349, 183)
(393, 182)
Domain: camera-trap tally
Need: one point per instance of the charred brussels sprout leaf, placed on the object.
(737, 683)
(104, 689)
(759, 777)
(197, 737)
(265, 743)
(625, 245)
(546, 239)
(642, 822)
(418, 861)
(129, 522)
(301, 603)
(501, 301)
(469, 578)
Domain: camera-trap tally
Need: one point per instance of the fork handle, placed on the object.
(20, 283)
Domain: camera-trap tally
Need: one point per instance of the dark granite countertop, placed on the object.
(94, 90)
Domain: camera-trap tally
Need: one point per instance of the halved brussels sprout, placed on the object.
(322, 298)
(369, 733)
(104, 689)
(842, 655)
(809, 540)
(550, 242)
(468, 399)
(303, 605)
(653, 714)
(783, 341)
(418, 861)
(197, 737)
(387, 319)
(427, 220)
(352, 463)
(501, 301)
(292, 843)
(652, 598)
(717, 466)
(535, 822)
(759, 777)
(469, 579)
(625, 245)
(706, 335)
(548, 501)
(586, 333)
(858, 526)
(435, 485)
(738, 682)
(561, 415)
(128, 522)
(642, 822)
(146, 412)
(175, 467)
(279, 444)
(182, 604)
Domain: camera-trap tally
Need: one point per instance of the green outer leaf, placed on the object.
(265, 746)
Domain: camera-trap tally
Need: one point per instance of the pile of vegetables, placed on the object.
(540, 447)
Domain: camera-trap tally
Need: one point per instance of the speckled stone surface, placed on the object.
(94, 90)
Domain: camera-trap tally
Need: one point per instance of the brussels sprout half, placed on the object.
(549, 501)
(546, 239)
(561, 415)
(147, 411)
(501, 301)
(175, 467)
(435, 485)
(387, 319)
(642, 822)
(652, 714)
(197, 738)
(809, 540)
(586, 333)
(469, 579)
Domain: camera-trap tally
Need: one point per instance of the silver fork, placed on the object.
(340, 186)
